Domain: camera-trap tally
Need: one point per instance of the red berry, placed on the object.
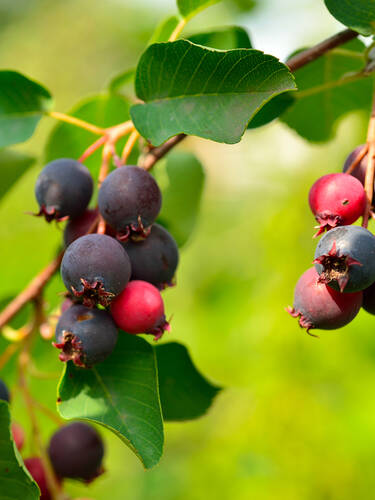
(35, 467)
(336, 200)
(320, 306)
(140, 309)
(18, 435)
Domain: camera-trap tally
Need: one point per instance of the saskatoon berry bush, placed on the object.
(107, 343)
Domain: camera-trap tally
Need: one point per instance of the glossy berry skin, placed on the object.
(85, 336)
(63, 189)
(129, 201)
(79, 226)
(140, 309)
(4, 392)
(76, 451)
(369, 299)
(95, 268)
(360, 170)
(35, 467)
(336, 200)
(155, 258)
(317, 305)
(345, 258)
(18, 435)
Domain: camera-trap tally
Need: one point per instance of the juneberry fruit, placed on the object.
(95, 268)
(76, 451)
(35, 466)
(369, 299)
(155, 258)
(360, 170)
(18, 435)
(336, 200)
(140, 309)
(317, 305)
(63, 189)
(85, 336)
(129, 201)
(79, 226)
(345, 258)
(4, 392)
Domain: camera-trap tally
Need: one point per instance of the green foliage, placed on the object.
(188, 8)
(272, 110)
(121, 394)
(119, 81)
(22, 104)
(15, 480)
(184, 393)
(358, 15)
(12, 166)
(164, 30)
(230, 37)
(199, 91)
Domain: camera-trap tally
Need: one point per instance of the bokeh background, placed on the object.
(297, 418)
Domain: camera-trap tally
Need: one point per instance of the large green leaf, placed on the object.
(22, 103)
(181, 180)
(329, 88)
(188, 8)
(121, 394)
(15, 481)
(358, 15)
(230, 37)
(184, 393)
(204, 92)
(12, 166)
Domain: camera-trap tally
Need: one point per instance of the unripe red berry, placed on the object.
(35, 466)
(18, 435)
(336, 200)
(140, 309)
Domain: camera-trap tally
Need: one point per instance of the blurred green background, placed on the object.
(296, 421)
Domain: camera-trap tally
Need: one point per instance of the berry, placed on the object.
(140, 309)
(345, 258)
(95, 268)
(35, 466)
(369, 299)
(85, 336)
(155, 258)
(76, 451)
(129, 200)
(18, 435)
(4, 392)
(63, 189)
(360, 170)
(317, 305)
(79, 226)
(336, 200)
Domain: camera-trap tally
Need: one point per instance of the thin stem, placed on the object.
(48, 413)
(101, 226)
(370, 171)
(157, 153)
(130, 143)
(8, 353)
(91, 149)
(357, 160)
(106, 158)
(177, 31)
(77, 122)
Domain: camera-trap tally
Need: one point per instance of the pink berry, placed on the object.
(336, 200)
(140, 309)
(18, 435)
(317, 305)
(35, 467)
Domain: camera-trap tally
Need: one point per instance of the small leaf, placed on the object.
(359, 15)
(164, 30)
(22, 104)
(15, 480)
(204, 92)
(120, 80)
(121, 394)
(230, 37)
(12, 166)
(181, 180)
(188, 8)
(184, 393)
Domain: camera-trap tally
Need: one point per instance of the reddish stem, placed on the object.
(91, 149)
(370, 171)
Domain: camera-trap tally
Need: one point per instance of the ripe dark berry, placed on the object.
(63, 189)
(369, 299)
(336, 200)
(360, 170)
(4, 392)
(76, 451)
(95, 268)
(79, 226)
(140, 309)
(129, 200)
(18, 435)
(345, 258)
(35, 466)
(317, 305)
(155, 258)
(85, 336)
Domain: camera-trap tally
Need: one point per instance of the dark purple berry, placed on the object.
(79, 226)
(63, 189)
(129, 200)
(95, 268)
(4, 392)
(345, 258)
(155, 258)
(85, 336)
(76, 451)
(369, 299)
(360, 170)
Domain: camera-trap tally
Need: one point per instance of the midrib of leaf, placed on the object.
(329, 85)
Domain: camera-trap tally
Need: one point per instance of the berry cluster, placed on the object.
(113, 276)
(330, 294)
(75, 451)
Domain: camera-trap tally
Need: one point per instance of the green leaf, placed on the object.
(120, 80)
(15, 480)
(181, 180)
(204, 92)
(358, 15)
(188, 8)
(184, 393)
(329, 88)
(22, 104)
(230, 37)
(12, 166)
(121, 394)
(164, 30)
(272, 109)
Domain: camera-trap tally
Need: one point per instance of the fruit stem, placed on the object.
(134, 136)
(177, 31)
(155, 154)
(370, 171)
(357, 160)
(77, 122)
(8, 353)
(91, 149)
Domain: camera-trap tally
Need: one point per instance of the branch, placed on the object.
(370, 171)
(157, 153)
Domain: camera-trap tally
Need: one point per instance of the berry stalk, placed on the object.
(370, 171)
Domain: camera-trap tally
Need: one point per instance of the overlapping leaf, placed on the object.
(12, 166)
(230, 37)
(188, 8)
(358, 15)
